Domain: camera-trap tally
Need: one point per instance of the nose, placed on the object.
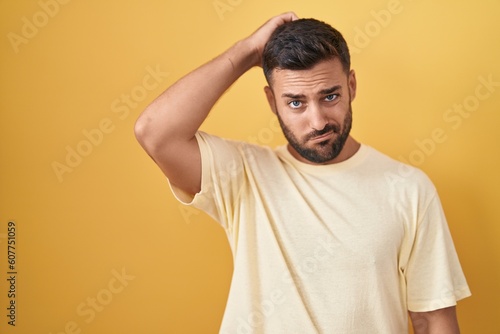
(317, 117)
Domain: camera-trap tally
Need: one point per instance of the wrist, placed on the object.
(243, 56)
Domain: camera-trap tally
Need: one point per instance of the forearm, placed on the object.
(180, 110)
(442, 321)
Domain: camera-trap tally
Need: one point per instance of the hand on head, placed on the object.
(260, 37)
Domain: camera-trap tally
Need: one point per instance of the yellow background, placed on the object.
(113, 212)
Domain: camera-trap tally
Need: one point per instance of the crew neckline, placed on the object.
(356, 159)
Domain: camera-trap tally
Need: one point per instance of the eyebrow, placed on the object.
(330, 90)
(325, 91)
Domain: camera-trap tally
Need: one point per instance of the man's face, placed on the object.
(314, 109)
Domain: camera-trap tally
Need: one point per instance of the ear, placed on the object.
(270, 98)
(352, 84)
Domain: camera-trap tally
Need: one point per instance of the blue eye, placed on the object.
(295, 104)
(331, 97)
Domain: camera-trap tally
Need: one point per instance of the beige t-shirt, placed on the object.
(341, 248)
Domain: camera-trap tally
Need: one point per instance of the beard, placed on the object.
(325, 151)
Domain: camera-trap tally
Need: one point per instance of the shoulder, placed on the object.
(217, 147)
(398, 174)
(227, 167)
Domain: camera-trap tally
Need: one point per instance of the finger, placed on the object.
(289, 16)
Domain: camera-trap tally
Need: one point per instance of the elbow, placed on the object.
(140, 130)
(152, 136)
(144, 134)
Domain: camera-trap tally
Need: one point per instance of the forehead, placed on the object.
(325, 74)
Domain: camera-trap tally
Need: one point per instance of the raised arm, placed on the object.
(166, 129)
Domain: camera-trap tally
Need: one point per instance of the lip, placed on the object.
(322, 138)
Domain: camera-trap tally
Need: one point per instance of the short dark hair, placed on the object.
(301, 44)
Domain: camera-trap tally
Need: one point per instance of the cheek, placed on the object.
(298, 126)
(341, 111)
(290, 120)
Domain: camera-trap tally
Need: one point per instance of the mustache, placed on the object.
(328, 128)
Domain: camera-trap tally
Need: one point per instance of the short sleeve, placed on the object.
(434, 275)
(222, 178)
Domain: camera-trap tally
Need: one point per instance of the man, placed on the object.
(324, 239)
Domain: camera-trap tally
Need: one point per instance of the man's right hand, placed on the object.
(259, 38)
